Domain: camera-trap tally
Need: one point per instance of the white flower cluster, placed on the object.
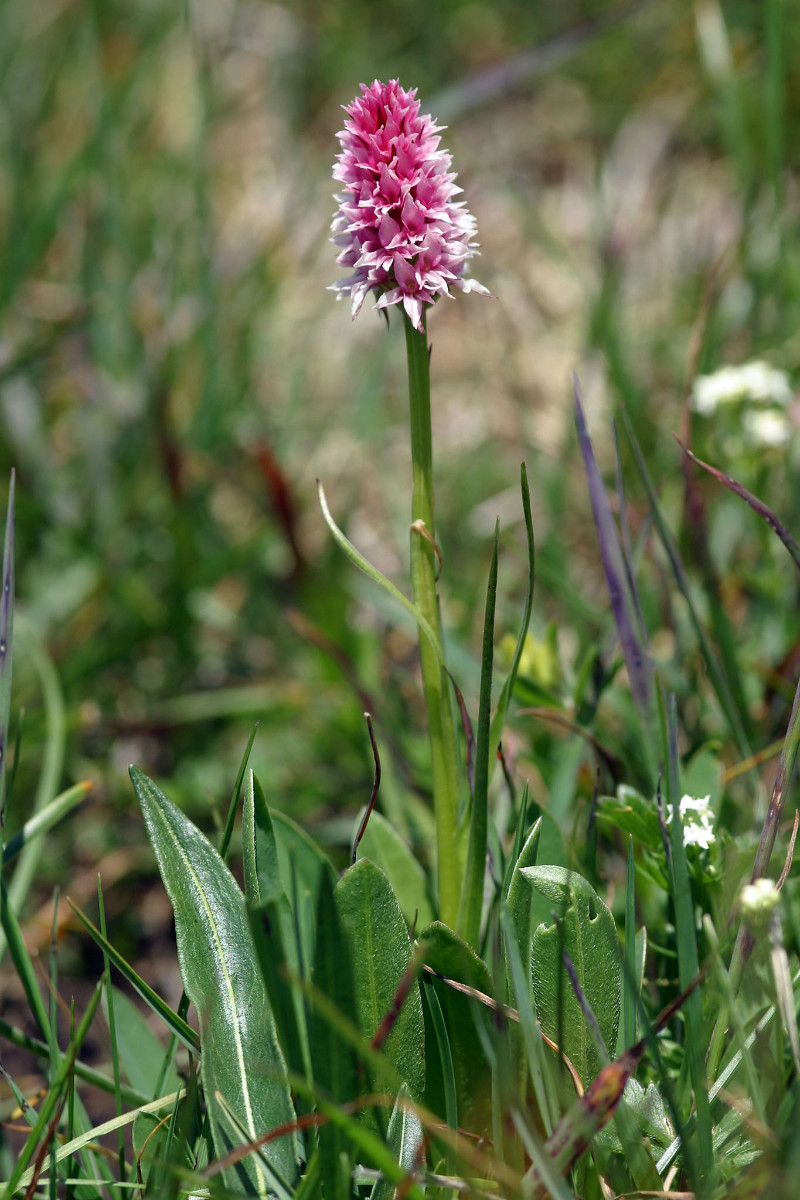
(756, 382)
(760, 898)
(697, 819)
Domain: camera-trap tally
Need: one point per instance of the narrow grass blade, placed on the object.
(98, 1131)
(636, 654)
(51, 1100)
(176, 1024)
(234, 801)
(499, 718)
(471, 903)
(744, 941)
(715, 672)
(45, 820)
(6, 642)
(758, 506)
(22, 962)
(375, 575)
(222, 979)
(112, 1030)
(448, 1078)
(702, 1172)
(629, 975)
(52, 759)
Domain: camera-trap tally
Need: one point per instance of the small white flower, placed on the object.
(697, 819)
(766, 427)
(755, 381)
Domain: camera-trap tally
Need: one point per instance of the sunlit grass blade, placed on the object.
(45, 820)
(98, 1131)
(470, 906)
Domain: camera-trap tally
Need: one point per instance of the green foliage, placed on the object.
(172, 379)
(241, 1062)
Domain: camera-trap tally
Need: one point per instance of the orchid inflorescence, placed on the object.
(400, 228)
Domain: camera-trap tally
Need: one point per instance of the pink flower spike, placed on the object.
(398, 225)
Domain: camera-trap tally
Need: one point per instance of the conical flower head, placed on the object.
(400, 228)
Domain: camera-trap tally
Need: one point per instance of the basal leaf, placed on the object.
(383, 845)
(380, 953)
(240, 1056)
(589, 936)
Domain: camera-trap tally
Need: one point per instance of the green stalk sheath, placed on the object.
(441, 727)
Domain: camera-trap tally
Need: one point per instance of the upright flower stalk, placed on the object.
(407, 240)
(436, 687)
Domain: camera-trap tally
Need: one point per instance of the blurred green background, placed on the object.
(174, 378)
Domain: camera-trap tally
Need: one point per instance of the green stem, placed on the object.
(441, 727)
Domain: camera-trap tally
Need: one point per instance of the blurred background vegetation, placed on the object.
(174, 378)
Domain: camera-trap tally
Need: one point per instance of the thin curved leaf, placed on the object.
(240, 1056)
(375, 575)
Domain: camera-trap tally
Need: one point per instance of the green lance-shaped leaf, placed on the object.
(380, 953)
(588, 935)
(383, 845)
(241, 1060)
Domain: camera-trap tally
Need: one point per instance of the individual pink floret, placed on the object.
(401, 231)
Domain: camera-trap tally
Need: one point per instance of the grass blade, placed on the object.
(471, 903)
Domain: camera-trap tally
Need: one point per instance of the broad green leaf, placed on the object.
(449, 956)
(383, 845)
(240, 1056)
(380, 953)
(589, 936)
(335, 1069)
(404, 1139)
(140, 1052)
